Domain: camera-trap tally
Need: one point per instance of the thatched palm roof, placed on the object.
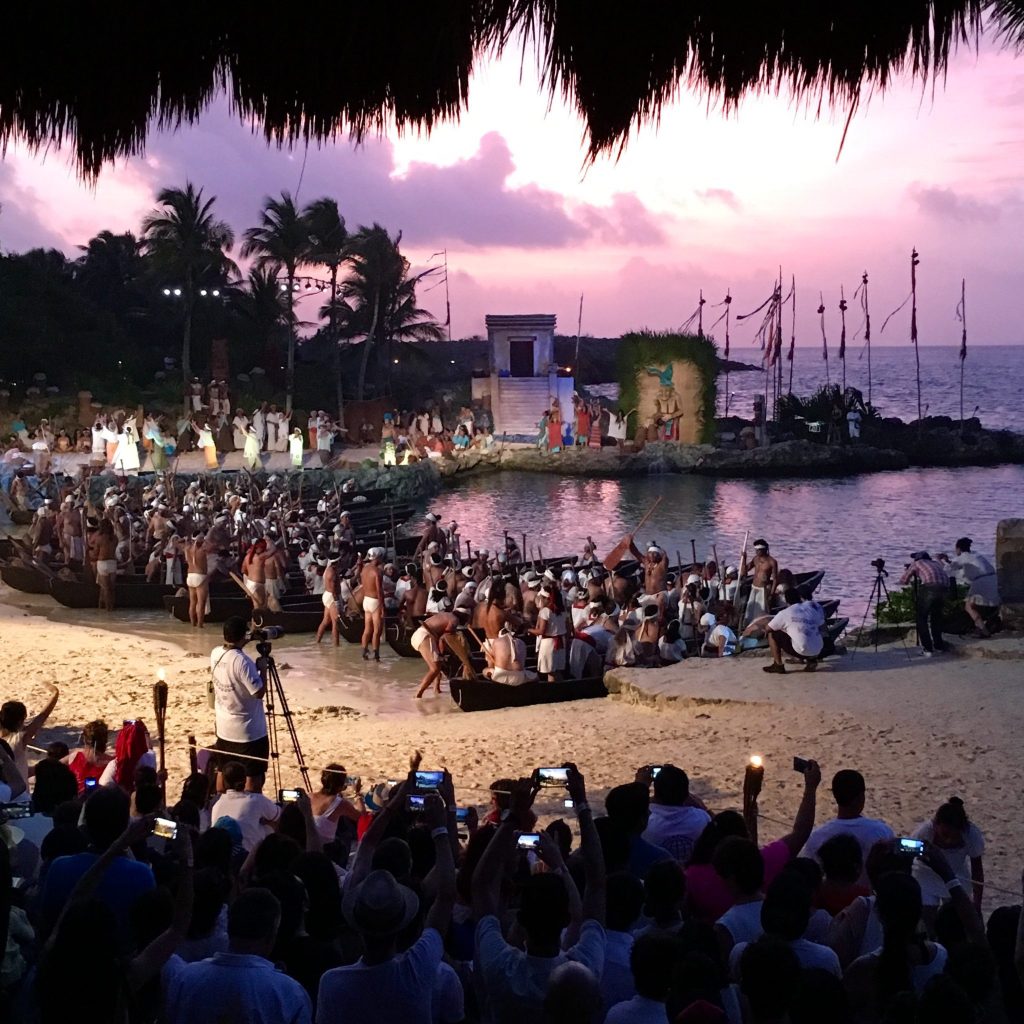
(101, 76)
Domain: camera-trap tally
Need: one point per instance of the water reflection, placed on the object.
(839, 524)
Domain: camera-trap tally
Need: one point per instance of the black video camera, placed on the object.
(262, 634)
(879, 564)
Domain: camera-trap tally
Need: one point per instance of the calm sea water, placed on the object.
(839, 525)
(993, 376)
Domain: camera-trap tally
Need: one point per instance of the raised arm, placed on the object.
(34, 724)
(441, 828)
(148, 963)
(934, 858)
(376, 832)
(590, 847)
(487, 878)
(803, 823)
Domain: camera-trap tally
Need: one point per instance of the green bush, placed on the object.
(900, 606)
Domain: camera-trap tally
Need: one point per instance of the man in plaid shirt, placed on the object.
(932, 589)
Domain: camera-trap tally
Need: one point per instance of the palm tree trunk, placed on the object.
(368, 344)
(289, 380)
(186, 343)
(337, 347)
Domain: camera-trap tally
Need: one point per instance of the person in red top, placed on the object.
(89, 760)
(931, 592)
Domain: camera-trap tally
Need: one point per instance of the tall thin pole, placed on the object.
(824, 340)
(700, 315)
(842, 335)
(778, 352)
(728, 308)
(579, 328)
(914, 261)
(447, 297)
(963, 345)
(792, 337)
(867, 328)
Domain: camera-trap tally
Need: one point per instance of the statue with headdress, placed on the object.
(667, 410)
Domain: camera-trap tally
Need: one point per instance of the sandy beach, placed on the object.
(920, 730)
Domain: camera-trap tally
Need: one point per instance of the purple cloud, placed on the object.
(724, 196)
(945, 204)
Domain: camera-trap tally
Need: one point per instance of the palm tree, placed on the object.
(263, 307)
(378, 269)
(281, 242)
(187, 245)
(329, 247)
(109, 269)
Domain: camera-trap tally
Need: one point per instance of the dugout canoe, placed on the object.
(26, 578)
(483, 695)
(294, 618)
(83, 593)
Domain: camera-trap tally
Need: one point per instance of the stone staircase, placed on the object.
(521, 401)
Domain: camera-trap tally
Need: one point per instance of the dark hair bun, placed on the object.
(956, 800)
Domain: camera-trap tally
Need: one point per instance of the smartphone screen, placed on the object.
(14, 811)
(800, 765)
(528, 841)
(462, 814)
(550, 778)
(429, 780)
(914, 847)
(91, 783)
(287, 796)
(656, 770)
(165, 828)
(416, 804)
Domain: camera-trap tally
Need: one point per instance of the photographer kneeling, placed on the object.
(796, 630)
(241, 721)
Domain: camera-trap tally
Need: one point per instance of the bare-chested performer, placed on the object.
(494, 613)
(413, 602)
(762, 586)
(427, 641)
(432, 534)
(330, 602)
(254, 573)
(198, 578)
(274, 574)
(103, 544)
(433, 569)
(655, 564)
(71, 530)
(506, 659)
(373, 603)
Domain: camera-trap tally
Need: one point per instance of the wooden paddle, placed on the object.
(693, 551)
(616, 554)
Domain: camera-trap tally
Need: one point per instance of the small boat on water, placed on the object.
(82, 593)
(481, 694)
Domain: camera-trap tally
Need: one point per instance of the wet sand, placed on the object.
(920, 730)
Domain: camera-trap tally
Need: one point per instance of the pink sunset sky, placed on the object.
(698, 201)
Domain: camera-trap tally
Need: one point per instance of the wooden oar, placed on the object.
(693, 550)
(614, 556)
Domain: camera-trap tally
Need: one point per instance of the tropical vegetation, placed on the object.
(134, 309)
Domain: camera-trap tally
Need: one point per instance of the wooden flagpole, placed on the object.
(867, 328)
(914, 261)
(842, 334)
(824, 340)
(792, 337)
(963, 346)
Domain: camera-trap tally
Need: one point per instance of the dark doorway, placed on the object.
(520, 357)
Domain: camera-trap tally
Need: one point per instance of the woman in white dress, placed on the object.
(550, 633)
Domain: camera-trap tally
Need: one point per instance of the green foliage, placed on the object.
(818, 407)
(640, 349)
(900, 606)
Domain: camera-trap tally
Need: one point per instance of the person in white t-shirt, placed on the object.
(848, 789)
(719, 640)
(785, 915)
(254, 812)
(238, 690)
(796, 630)
(962, 844)
(676, 819)
(652, 961)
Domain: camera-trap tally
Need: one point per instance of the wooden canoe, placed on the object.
(26, 578)
(483, 695)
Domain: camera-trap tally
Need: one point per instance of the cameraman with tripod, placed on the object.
(932, 589)
(238, 690)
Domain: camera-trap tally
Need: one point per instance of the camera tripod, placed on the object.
(275, 698)
(879, 595)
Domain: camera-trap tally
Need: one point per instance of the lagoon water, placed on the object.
(837, 524)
